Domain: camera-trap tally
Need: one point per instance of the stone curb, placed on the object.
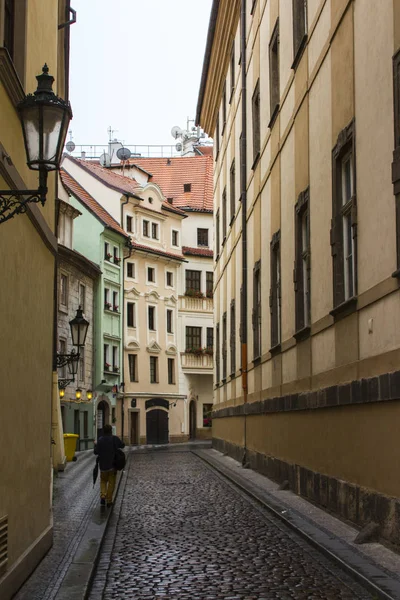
(78, 578)
(372, 577)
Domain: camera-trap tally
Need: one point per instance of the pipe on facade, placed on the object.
(243, 197)
(122, 374)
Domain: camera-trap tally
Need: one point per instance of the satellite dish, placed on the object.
(105, 160)
(176, 132)
(70, 146)
(124, 153)
(179, 147)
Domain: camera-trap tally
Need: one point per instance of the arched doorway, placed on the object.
(157, 421)
(103, 417)
(192, 420)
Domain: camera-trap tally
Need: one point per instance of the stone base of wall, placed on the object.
(13, 579)
(204, 434)
(178, 439)
(350, 502)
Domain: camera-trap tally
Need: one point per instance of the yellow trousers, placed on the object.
(107, 484)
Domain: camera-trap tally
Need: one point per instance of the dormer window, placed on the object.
(187, 187)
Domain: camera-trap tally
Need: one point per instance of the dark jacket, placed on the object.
(105, 449)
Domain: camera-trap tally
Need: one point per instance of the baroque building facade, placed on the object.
(306, 382)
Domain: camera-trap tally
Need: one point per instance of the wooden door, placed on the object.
(134, 435)
(157, 427)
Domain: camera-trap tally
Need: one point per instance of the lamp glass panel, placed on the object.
(52, 121)
(73, 365)
(30, 124)
(78, 333)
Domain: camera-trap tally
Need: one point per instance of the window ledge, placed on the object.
(302, 334)
(255, 162)
(299, 52)
(344, 309)
(273, 116)
(275, 349)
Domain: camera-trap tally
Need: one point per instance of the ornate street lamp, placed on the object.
(89, 394)
(78, 394)
(79, 328)
(45, 118)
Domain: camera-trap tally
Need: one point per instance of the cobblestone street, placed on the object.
(185, 533)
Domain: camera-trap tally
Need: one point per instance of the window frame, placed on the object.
(256, 121)
(171, 371)
(146, 228)
(224, 347)
(256, 312)
(133, 367)
(274, 81)
(131, 315)
(175, 236)
(192, 334)
(202, 232)
(224, 216)
(154, 374)
(170, 320)
(299, 12)
(302, 266)
(154, 231)
(64, 291)
(153, 270)
(129, 223)
(133, 265)
(233, 337)
(232, 191)
(151, 318)
(275, 292)
(193, 280)
(169, 275)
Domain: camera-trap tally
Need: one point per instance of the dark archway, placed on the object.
(192, 420)
(103, 417)
(157, 431)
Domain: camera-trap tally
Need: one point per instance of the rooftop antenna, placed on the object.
(111, 132)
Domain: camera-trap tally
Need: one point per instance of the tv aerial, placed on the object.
(105, 160)
(124, 153)
(176, 132)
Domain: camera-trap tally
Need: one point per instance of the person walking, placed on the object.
(105, 449)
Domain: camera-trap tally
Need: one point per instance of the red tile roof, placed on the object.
(204, 150)
(74, 188)
(125, 185)
(171, 173)
(197, 251)
(151, 250)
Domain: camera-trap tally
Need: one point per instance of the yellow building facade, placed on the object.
(29, 37)
(302, 99)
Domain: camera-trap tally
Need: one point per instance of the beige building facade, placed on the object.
(302, 100)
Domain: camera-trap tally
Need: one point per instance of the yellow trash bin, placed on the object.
(70, 440)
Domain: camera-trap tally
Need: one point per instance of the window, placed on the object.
(299, 29)
(82, 296)
(115, 301)
(396, 153)
(150, 200)
(64, 290)
(209, 284)
(301, 275)
(232, 71)
(106, 351)
(193, 338)
(107, 253)
(217, 355)
(153, 369)
(129, 224)
(187, 187)
(154, 231)
(217, 233)
(224, 216)
(243, 175)
(171, 371)
(146, 228)
(207, 415)
(170, 315)
(193, 281)
(232, 192)
(344, 221)
(151, 274)
(257, 310)
(116, 255)
(224, 347)
(170, 279)
(210, 338)
(275, 293)
(115, 359)
(63, 350)
(107, 303)
(217, 137)
(85, 424)
(202, 237)
(256, 122)
(274, 93)
(130, 270)
(9, 18)
(82, 365)
(175, 238)
(224, 109)
(152, 318)
(133, 370)
(233, 338)
(130, 314)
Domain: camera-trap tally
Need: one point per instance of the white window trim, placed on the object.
(170, 333)
(61, 306)
(132, 216)
(148, 282)
(172, 238)
(134, 269)
(170, 287)
(155, 330)
(134, 326)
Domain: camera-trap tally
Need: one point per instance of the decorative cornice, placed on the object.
(153, 348)
(152, 294)
(172, 349)
(68, 209)
(132, 290)
(9, 78)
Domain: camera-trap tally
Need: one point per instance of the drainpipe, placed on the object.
(129, 245)
(243, 196)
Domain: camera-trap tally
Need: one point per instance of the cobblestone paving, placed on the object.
(184, 533)
(73, 497)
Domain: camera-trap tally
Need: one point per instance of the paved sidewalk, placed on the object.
(374, 565)
(79, 528)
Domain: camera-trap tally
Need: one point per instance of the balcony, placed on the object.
(193, 304)
(197, 363)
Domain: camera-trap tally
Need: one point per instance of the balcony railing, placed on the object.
(196, 304)
(202, 362)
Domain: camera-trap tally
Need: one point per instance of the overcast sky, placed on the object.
(135, 65)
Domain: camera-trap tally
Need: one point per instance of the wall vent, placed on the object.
(3, 544)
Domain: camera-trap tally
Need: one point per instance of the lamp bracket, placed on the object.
(64, 359)
(62, 383)
(15, 202)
